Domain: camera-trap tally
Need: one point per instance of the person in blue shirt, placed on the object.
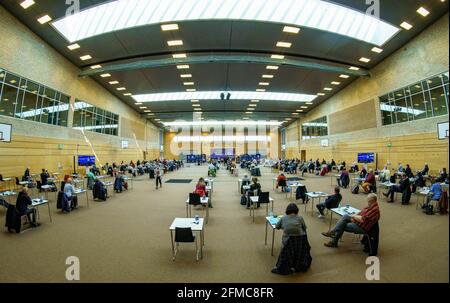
(435, 192)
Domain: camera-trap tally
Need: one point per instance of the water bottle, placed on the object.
(197, 218)
(270, 214)
(42, 198)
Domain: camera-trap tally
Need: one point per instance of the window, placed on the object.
(421, 100)
(24, 99)
(315, 129)
(91, 118)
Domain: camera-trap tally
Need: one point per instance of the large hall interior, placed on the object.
(214, 141)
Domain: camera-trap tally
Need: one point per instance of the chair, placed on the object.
(282, 184)
(263, 198)
(373, 188)
(194, 199)
(184, 235)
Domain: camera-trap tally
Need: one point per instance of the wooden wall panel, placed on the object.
(358, 117)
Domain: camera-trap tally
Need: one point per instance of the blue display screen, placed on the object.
(86, 160)
(366, 157)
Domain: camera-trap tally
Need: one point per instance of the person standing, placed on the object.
(158, 175)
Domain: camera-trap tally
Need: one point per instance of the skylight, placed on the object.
(317, 14)
(215, 95)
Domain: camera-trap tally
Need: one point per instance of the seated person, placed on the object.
(331, 202)
(295, 254)
(434, 195)
(442, 176)
(419, 181)
(22, 203)
(369, 181)
(281, 180)
(255, 190)
(44, 177)
(26, 175)
(360, 223)
(385, 175)
(200, 187)
(245, 181)
(400, 188)
(69, 192)
(363, 172)
(344, 179)
(400, 168)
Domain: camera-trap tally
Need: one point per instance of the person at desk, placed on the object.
(434, 195)
(360, 223)
(403, 188)
(281, 179)
(90, 179)
(255, 187)
(363, 172)
(26, 175)
(419, 181)
(400, 168)
(369, 181)
(385, 175)
(70, 202)
(44, 176)
(22, 203)
(442, 176)
(331, 202)
(344, 178)
(295, 254)
(245, 181)
(200, 187)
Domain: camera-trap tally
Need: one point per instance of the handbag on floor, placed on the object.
(355, 189)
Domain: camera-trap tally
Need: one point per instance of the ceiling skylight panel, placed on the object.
(316, 14)
(135, 17)
(104, 17)
(268, 9)
(252, 8)
(126, 15)
(174, 8)
(198, 10)
(158, 13)
(212, 8)
(227, 10)
(92, 19)
(185, 10)
(347, 23)
(364, 28)
(337, 21)
(282, 10)
(357, 23)
(328, 17)
(148, 13)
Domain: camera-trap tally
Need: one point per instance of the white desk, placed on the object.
(35, 203)
(314, 195)
(254, 202)
(108, 184)
(80, 191)
(128, 179)
(424, 193)
(210, 183)
(273, 230)
(387, 185)
(341, 211)
(8, 194)
(48, 188)
(204, 201)
(292, 186)
(79, 181)
(188, 222)
(335, 176)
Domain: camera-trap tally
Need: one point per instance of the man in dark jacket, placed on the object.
(22, 203)
(331, 202)
(404, 185)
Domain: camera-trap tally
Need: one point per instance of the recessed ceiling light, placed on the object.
(376, 49)
(264, 83)
(179, 56)
(304, 107)
(250, 108)
(157, 119)
(245, 118)
(113, 82)
(147, 111)
(327, 88)
(249, 113)
(186, 76)
(194, 101)
(169, 27)
(197, 109)
(185, 66)
(299, 110)
(260, 90)
(423, 11)
(267, 76)
(73, 46)
(175, 42)
(344, 76)
(142, 107)
(150, 114)
(86, 57)
(191, 90)
(364, 59)
(27, 3)
(253, 105)
(96, 66)
(44, 19)
(196, 105)
(128, 94)
(288, 119)
(254, 101)
(295, 114)
(284, 44)
(406, 25)
(105, 75)
(353, 68)
(281, 57)
(138, 103)
(188, 83)
(121, 88)
(335, 83)
(291, 29)
(272, 67)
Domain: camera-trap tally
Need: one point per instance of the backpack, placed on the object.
(243, 200)
(428, 209)
(355, 189)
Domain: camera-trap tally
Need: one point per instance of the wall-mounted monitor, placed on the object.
(124, 144)
(5, 132)
(366, 157)
(442, 130)
(86, 160)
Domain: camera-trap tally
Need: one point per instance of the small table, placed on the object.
(388, 185)
(8, 194)
(188, 222)
(272, 222)
(424, 193)
(204, 201)
(254, 201)
(80, 191)
(335, 176)
(46, 189)
(79, 181)
(35, 203)
(107, 184)
(358, 180)
(293, 185)
(128, 179)
(341, 211)
(314, 195)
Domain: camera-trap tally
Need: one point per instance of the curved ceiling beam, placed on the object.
(317, 14)
(246, 59)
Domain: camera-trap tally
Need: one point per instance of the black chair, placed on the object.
(371, 240)
(184, 235)
(282, 184)
(263, 198)
(373, 188)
